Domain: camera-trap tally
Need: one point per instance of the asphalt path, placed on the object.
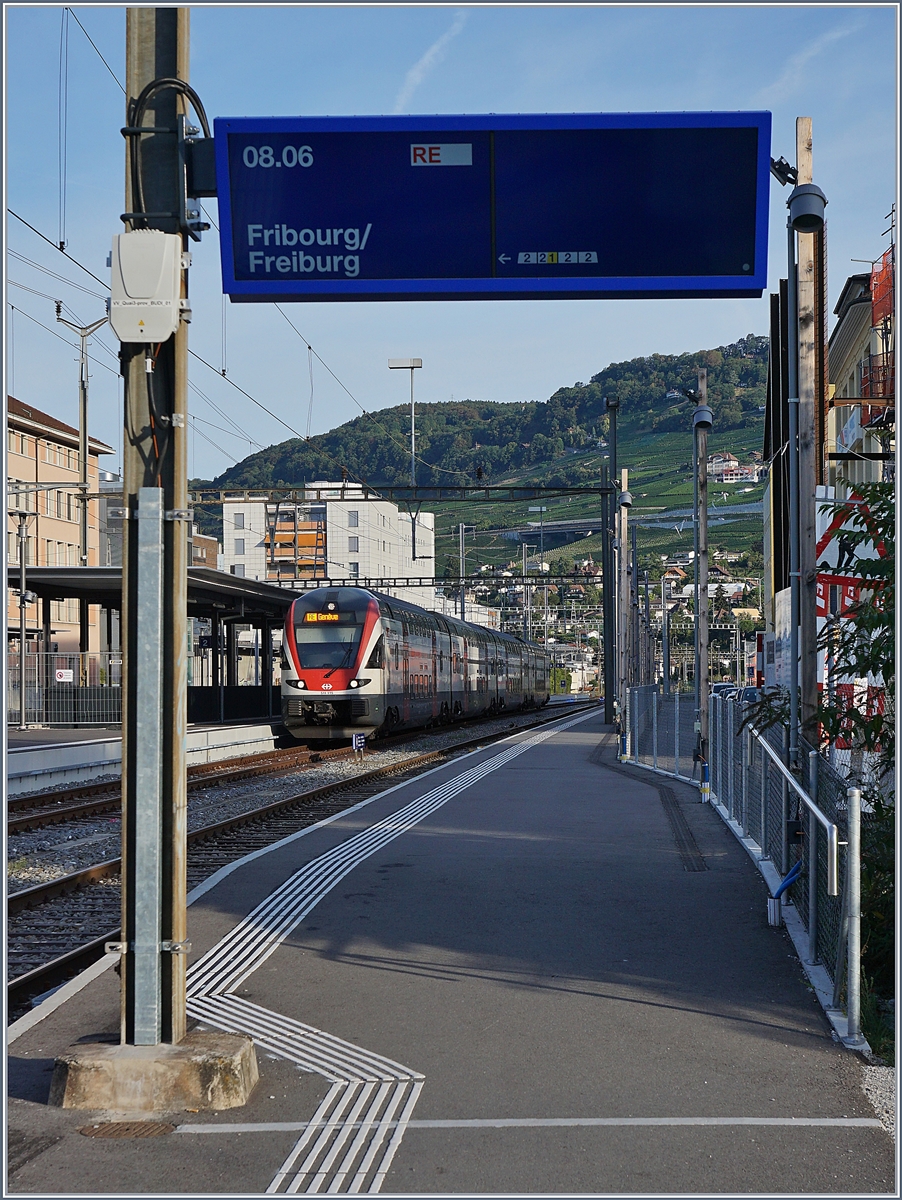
(504, 976)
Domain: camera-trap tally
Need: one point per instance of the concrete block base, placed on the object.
(204, 1071)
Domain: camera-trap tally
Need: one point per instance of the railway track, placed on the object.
(54, 918)
(39, 809)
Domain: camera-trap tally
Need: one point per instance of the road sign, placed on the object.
(504, 207)
(358, 741)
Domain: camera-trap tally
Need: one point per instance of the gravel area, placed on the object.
(879, 1085)
(41, 855)
(64, 787)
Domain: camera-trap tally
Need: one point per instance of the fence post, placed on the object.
(654, 730)
(812, 859)
(853, 954)
(634, 726)
(745, 779)
(784, 808)
(764, 782)
(730, 750)
(676, 733)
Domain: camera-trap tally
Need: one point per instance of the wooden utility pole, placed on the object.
(154, 794)
(809, 333)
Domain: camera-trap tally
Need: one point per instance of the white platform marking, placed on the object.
(358, 1077)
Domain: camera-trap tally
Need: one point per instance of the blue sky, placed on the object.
(833, 62)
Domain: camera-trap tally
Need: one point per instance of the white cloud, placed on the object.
(793, 73)
(431, 58)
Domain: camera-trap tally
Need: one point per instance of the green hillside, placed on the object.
(555, 442)
(481, 440)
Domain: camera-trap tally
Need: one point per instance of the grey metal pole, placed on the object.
(695, 670)
(542, 567)
(413, 436)
(793, 448)
(607, 596)
(702, 421)
(636, 677)
(665, 638)
(23, 615)
(622, 593)
(612, 674)
(463, 569)
(812, 859)
(853, 960)
(147, 863)
(525, 594)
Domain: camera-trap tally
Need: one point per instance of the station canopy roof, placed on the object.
(210, 592)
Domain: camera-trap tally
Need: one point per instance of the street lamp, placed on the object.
(411, 365)
(806, 204)
(84, 332)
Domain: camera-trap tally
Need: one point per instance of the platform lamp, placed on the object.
(411, 365)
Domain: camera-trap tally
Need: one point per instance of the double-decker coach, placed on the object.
(355, 661)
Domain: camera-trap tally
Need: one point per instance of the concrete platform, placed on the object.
(39, 758)
(501, 977)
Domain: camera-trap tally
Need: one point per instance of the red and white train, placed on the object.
(355, 661)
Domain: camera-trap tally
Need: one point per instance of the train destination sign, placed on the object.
(504, 207)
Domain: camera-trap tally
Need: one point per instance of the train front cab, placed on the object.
(333, 665)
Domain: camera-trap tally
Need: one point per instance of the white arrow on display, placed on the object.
(504, 258)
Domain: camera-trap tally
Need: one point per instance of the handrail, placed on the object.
(831, 830)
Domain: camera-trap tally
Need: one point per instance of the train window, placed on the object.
(328, 645)
(376, 659)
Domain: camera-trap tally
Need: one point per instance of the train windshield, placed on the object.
(325, 641)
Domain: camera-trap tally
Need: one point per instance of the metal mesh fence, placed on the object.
(753, 793)
(65, 689)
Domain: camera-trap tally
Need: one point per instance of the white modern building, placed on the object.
(334, 533)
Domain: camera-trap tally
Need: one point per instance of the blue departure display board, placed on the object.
(504, 207)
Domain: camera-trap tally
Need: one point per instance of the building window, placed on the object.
(354, 570)
(353, 545)
(353, 519)
(238, 569)
(239, 522)
(239, 545)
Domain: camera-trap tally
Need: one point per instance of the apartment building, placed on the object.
(335, 533)
(861, 418)
(42, 456)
